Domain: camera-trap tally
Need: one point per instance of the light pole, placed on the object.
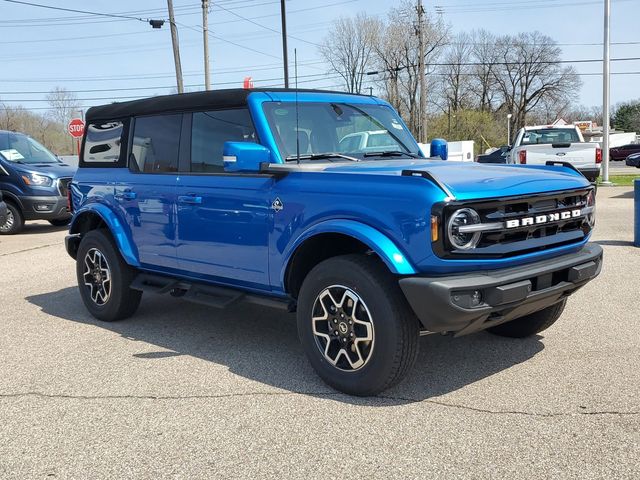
(509, 115)
(285, 50)
(205, 39)
(605, 95)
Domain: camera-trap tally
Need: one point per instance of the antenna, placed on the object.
(295, 63)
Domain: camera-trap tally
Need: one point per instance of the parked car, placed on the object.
(633, 160)
(499, 155)
(372, 141)
(33, 183)
(540, 144)
(622, 152)
(3, 210)
(206, 196)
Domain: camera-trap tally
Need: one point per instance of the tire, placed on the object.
(379, 328)
(14, 222)
(107, 300)
(530, 324)
(60, 222)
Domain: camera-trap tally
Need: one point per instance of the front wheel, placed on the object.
(14, 222)
(530, 324)
(104, 278)
(355, 325)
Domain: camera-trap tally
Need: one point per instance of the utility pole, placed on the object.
(176, 47)
(285, 54)
(421, 72)
(606, 100)
(205, 38)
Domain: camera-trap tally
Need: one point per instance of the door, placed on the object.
(223, 219)
(147, 193)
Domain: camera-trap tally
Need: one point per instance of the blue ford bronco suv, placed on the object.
(273, 197)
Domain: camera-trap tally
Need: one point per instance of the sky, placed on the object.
(109, 59)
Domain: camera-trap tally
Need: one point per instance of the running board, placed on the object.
(210, 295)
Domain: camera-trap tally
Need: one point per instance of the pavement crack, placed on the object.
(363, 401)
(30, 249)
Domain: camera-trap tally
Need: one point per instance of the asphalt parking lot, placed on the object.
(183, 391)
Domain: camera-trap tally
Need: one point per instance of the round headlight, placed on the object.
(591, 203)
(462, 240)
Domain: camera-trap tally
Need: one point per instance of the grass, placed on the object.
(622, 180)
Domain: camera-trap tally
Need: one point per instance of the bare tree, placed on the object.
(397, 58)
(456, 77)
(348, 48)
(63, 105)
(485, 57)
(530, 72)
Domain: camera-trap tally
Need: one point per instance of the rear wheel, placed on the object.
(104, 278)
(530, 324)
(14, 221)
(355, 325)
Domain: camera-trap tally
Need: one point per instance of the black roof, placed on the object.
(227, 98)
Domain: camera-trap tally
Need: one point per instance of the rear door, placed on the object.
(223, 218)
(146, 194)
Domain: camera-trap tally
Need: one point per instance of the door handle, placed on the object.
(125, 195)
(190, 199)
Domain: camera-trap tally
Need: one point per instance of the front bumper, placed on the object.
(445, 304)
(45, 207)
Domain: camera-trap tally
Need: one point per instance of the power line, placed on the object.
(264, 26)
(469, 64)
(222, 39)
(62, 9)
(500, 7)
(94, 90)
(155, 76)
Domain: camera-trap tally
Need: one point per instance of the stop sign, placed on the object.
(76, 127)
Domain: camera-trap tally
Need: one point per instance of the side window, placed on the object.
(102, 143)
(209, 131)
(156, 143)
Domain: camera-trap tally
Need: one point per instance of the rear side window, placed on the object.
(103, 142)
(209, 131)
(156, 144)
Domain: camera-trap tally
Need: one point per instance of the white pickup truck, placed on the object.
(538, 145)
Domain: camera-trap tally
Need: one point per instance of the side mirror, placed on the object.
(244, 156)
(505, 148)
(439, 148)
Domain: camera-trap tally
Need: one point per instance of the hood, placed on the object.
(53, 170)
(470, 180)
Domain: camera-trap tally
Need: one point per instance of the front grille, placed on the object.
(63, 186)
(505, 242)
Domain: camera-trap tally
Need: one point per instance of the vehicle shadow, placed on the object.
(261, 344)
(615, 243)
(627, 194)
(30, 228)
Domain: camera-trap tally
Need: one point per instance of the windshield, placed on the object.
(19, 148)
(349, 129)
(550, 135)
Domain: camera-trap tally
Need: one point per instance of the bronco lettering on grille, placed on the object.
(541, 219)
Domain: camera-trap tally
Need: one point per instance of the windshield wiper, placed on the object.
(392, 153)
(320, 156)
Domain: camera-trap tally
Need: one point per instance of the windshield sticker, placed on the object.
(12, 154)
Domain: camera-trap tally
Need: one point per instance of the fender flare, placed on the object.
(383, 246)
(125, 246)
